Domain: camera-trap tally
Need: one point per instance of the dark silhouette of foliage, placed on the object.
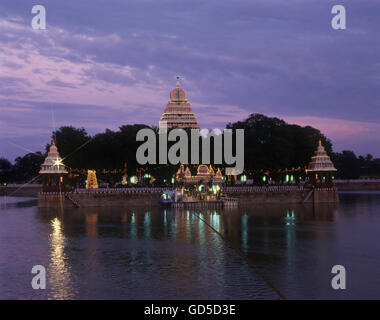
(5, 170)
(27, 167)
(352, 167)
(270, 144)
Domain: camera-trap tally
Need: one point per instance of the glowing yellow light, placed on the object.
(58, 162)
(58, 262)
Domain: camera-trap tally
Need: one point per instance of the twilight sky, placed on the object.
(105, 63)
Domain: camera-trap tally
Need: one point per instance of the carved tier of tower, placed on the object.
(178, 112)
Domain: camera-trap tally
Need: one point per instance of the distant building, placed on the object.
(53, 172)
(204, 173)
(321, 169)
(92, 181)
(178, 112)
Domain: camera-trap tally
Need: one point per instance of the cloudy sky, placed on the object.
(105, 63)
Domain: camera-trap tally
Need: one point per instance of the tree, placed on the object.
(5, 170)
(271, 143)
(352, 167)
(347, 164)
(72, 145)
(26, 168)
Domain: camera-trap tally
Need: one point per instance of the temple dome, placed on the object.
(178, 94)
(203, 170)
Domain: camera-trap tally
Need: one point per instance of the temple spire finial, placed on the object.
(177, 82)
(53, 143)
(320, 142)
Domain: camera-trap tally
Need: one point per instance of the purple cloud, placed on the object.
(117, 60)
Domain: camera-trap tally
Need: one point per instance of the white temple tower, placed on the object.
(53, 172)
(321, 168)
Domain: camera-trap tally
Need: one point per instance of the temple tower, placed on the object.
(178, 112)
(53, 172)
(92, 181)
(321, 168)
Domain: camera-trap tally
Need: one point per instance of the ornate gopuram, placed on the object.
(178, 112)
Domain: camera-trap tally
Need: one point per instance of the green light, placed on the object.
(287, 178)
(243, 178)
(215, 189)
(172, 180)
(265, 178)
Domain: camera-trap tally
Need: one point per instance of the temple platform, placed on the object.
(240, 196)
(207, 204)
(282, 194)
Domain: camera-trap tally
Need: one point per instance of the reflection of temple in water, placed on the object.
(181, 224)
(266, 234)
(91, 224)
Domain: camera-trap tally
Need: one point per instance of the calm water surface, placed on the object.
(151, 253)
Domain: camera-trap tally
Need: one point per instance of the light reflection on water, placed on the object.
(60, 282)
(154, 253)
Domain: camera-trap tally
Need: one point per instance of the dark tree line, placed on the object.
(352, 167)
(24, 169)
(270, 144)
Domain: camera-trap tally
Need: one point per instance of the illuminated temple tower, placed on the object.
(92, 181)
(321, 168)
(178, 112)
(53, 172)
